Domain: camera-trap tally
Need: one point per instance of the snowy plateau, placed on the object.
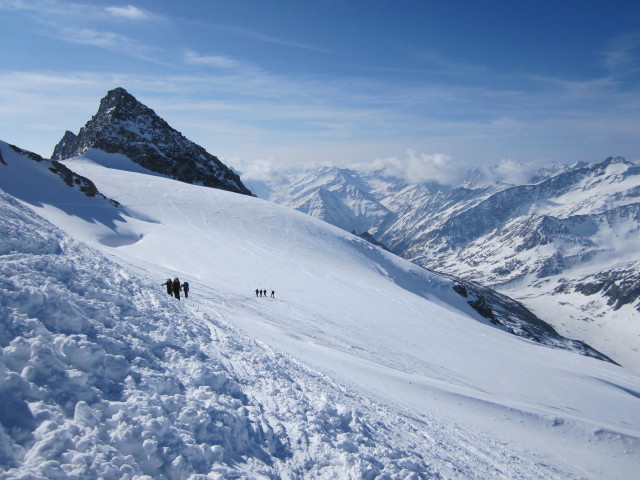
(363, 366)
(567, 244)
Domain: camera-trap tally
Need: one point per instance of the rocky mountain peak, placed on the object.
(123, 125)
(120, 105)
(611, 160)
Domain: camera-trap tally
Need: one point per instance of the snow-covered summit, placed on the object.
(125, 126)
(339, 196)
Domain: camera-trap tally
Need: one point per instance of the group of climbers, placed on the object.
(174, 287)
(263, 293)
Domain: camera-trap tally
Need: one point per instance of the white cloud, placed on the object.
(417, 167)
(261, 37)
(622, 52)
(509, 171)
(46, 9)
(129, 12)
(259, 170)
(96, 38)
(217, 61)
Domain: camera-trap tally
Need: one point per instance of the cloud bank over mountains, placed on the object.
(413, 167)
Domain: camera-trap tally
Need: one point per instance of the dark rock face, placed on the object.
(67, 175)
(124, 125)
(33, 156)
(72, 179)
(515, 318)
(620, 286)
(369, 238)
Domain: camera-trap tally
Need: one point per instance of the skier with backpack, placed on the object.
(185, 289)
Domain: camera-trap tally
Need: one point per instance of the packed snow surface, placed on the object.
(362, 366)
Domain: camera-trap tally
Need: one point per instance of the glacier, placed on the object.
(364, 365)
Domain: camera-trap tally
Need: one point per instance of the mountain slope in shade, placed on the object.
(125, 126)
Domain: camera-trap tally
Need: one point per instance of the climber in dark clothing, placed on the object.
(169, 285)
(176, 288)
(185, 289)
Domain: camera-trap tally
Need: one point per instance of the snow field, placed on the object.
(376, 323)
(363, 366)
(110, 378)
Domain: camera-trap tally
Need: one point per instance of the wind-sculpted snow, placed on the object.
(14, 238)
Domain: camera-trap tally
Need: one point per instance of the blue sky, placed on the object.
(426, 86)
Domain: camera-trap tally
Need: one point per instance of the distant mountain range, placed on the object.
(567, 244)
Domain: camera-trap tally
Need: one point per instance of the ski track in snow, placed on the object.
(451, 449)
(456, 450)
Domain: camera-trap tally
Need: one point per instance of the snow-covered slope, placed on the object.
(502, 312)
(363, 365)
(102, 376)
(560, 244)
